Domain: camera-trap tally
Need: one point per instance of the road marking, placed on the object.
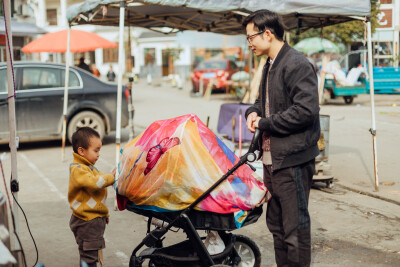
(49, 183)
(120, 255)
(124, 259)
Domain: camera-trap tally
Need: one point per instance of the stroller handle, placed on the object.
(250, 155)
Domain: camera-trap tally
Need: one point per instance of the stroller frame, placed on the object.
(153, 239)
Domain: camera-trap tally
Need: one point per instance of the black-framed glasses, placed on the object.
(250, 37)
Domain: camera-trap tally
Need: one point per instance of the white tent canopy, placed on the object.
(223, 16)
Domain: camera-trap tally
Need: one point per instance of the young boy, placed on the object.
(87, 194)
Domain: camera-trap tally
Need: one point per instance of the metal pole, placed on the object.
(67, 63)
(240, 133)
(119, 91)
(11, 121)
(120, 68)
(372, 93)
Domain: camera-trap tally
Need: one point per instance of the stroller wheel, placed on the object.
(248, 251)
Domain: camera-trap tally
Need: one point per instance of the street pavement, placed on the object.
(352, 224)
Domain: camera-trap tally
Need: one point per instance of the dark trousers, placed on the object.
(89, 237)
(287, 213)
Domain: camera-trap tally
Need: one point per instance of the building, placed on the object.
(23, 27)
(386, 38)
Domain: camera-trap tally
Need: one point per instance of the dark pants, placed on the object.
(287, 213)
(89, 237)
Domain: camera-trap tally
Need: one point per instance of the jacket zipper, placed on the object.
(269, 110)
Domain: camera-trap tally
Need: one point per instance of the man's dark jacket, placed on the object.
(294, 110)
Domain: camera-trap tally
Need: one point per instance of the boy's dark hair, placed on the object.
(81, 138)
(267, 20)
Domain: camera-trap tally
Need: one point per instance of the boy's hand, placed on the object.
(114, 171)
(107, 220)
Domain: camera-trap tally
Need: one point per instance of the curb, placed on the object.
(368, 194)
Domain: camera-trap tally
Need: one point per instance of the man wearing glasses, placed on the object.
(287, 112)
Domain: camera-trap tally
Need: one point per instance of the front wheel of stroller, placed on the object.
(248, 251)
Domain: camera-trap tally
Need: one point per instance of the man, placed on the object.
(287, 112)
(83, 65)
(111, 74)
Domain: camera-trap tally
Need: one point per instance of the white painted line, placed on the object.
(124, 259)
(49, 183)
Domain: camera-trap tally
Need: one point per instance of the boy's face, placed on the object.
(92, 153)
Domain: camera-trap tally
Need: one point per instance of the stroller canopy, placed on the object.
(174, 161)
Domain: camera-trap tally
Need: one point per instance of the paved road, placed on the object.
(348, 229)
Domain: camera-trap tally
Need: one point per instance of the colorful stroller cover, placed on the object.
(175, 161)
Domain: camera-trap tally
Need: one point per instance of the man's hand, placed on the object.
(252, 121)
(107, 220)
(114, 171)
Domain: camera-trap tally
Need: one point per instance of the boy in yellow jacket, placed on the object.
(87, 195)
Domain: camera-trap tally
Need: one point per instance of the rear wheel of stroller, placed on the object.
(248, 251)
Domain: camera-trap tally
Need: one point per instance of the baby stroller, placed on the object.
(239, 250)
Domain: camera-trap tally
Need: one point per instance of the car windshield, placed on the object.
(205, 65)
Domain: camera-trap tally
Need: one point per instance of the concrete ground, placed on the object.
(348, 228)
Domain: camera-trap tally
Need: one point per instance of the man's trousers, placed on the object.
(287, 213)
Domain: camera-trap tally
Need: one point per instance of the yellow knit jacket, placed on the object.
(87, 192)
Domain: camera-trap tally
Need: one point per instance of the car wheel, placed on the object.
(348, 99)
(86, 119)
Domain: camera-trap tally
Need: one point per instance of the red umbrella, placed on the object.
(56, 42)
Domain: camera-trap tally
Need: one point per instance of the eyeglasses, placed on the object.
(250, 37)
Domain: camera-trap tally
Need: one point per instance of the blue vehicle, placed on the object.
(386, 81)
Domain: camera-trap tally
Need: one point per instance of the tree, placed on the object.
(346, 33)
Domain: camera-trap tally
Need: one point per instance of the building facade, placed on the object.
(386, 38)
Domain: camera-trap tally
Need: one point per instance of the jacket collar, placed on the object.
(285, 48)
(81, 160)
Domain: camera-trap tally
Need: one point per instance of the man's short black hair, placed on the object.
(267, 20)
(81, 138)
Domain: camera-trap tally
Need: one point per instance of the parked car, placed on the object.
(219, 69)
(39, 102)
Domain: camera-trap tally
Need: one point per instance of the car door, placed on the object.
(21, 108)
(44, 87)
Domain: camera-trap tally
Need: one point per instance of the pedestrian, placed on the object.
(87, 194)
(287, 112)
(95, 71)
(83, 65)
(111, 74)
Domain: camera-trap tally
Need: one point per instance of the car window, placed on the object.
(205, 65)
(233, 65)
(73, 79)
(40, 78)
(3, 81)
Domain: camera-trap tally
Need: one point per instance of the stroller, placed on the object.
(239, 250)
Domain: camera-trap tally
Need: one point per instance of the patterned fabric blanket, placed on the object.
(174, 161)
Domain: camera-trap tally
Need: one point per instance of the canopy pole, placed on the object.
(14, 184)
(67, 63)
(119, 91)
(372, 93)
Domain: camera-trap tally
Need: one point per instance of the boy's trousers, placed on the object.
(89, 237)
(287, 213)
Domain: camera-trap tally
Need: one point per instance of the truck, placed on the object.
(386, 81)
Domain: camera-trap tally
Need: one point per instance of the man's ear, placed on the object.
(268, 34)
